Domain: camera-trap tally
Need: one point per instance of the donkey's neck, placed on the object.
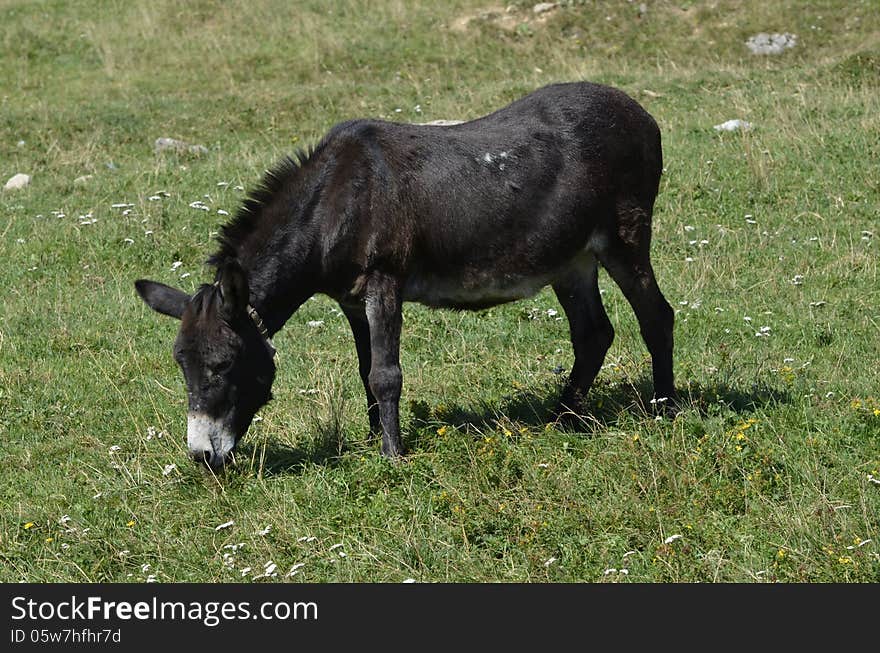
(277, 289)
(279, 257)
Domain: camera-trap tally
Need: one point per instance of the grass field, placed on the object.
(766, 244)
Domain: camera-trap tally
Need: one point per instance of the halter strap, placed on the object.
(261, 327)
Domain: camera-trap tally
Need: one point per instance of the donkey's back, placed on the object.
(494, 209)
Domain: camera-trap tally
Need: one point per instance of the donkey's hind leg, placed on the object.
(591, 330)
(627, 259)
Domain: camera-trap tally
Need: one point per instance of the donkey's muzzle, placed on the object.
(205, 457)
(208, 440)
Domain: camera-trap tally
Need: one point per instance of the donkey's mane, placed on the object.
(204, 297)
(248, 217)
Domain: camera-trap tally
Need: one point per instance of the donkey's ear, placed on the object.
(161, 298)
(233, 289)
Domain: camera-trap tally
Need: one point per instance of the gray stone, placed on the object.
(442, 123)
(17, 181)
(771, 43)
(733, 125)
(543, 7)
(165, 144)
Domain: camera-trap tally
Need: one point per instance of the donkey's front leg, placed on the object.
(360, 328)
(383, 308)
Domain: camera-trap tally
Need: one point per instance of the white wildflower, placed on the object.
(295, 569)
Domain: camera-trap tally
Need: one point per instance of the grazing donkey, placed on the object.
(464, 217)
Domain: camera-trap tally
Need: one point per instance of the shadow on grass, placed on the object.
(606, 406)
(325, 448)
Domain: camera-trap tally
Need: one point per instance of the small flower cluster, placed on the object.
(867, 407)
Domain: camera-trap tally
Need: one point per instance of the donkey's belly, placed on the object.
(472, 292)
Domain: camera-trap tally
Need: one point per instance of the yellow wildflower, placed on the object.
(30, 524)
(442, 430)
(130, 523)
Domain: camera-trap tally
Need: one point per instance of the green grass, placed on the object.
(765, 474)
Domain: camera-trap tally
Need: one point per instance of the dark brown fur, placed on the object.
(465, 216)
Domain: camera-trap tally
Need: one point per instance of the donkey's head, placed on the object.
(226, 358)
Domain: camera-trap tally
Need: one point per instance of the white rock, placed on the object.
(442, 123)
(771, 43)
(733, 125)
(163, 144)
(17, 181)
(543, 7)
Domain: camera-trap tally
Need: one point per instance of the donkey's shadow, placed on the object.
(606, 407)
(272, 458)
